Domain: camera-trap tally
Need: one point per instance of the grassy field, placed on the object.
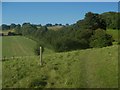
(114, 33)
(0, 46)
(17, 46)
(0, 75)
(91, 68)
(5, 32)
(55, 28)
(0, 63)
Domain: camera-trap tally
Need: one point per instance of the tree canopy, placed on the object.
(86, 33)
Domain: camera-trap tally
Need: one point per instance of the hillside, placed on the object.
(17, 46)
(55, 28)
(90, 68)
(114, 33)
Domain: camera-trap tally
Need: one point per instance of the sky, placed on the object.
(52, 12)
(60, 0)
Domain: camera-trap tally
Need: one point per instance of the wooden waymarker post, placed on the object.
(40, 56)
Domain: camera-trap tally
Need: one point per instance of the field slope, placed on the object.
(17, 46)
(91, 68)
(114, 33)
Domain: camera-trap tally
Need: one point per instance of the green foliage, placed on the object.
(112, 19)
(5, 27)
(37, 49)
(28, 29)
(12, 26)
(100, 39)
(66, 44)
(11, 34)
(92, 21)
(66, 39)
(18, 29)
(114, 33)
(69, 37)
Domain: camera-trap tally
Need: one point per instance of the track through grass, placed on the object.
(90, 68)
(17, 46)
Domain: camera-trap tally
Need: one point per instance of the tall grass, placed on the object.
(91, 68)
(114, 33)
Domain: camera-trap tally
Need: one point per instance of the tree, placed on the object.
(100, 39)
(12, 26)
(86, 33)
(11, 33)
(92, 21)
(112, 19)
(43, 30)
(67, 24)
(18, 29)
(5, 27)
(48, 25)
(28, 29)
(60, 24)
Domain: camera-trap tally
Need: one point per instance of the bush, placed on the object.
(67, 44)
(38, 82)
(11, 34)
(37, 49)
(100, 39)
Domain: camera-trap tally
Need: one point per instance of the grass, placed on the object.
(17, 46)
(0, 46)
(5, 32)
(91, 68)
(0, 63)
(114, 33)
(0, 74)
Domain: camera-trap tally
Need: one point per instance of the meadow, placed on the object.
(55, 28)
(0, 63)
(114, 33)
(89, 68)
(17, 46)
(5, 32)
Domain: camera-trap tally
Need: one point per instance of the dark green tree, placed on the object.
(100, 39)
(5, 27)
(112, 19)
(12, 26)
(92, 21)
(18, 29)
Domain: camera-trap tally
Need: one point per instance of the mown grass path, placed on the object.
(17, 46)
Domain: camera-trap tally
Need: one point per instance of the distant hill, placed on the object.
(55, 28)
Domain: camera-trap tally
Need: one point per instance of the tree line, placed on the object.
(13, 26)
(86, 33)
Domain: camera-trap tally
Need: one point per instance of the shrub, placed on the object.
(67, 44)
(100, 39)
(11, 34)
(37, 49)
(38, 82)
